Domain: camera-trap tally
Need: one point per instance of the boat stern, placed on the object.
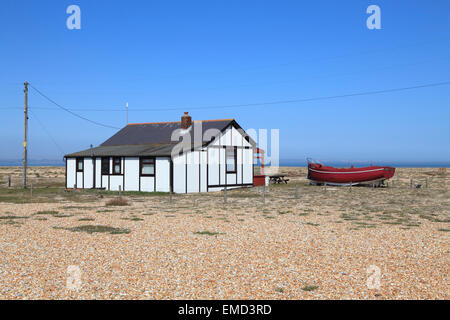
(389, 172)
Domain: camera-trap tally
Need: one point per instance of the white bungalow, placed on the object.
(182, 157)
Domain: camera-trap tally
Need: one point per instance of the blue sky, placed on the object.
(192, 54)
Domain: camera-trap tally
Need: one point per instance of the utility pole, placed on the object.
(127, 113)
(25, 135)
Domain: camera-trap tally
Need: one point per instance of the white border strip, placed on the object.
(373, 170)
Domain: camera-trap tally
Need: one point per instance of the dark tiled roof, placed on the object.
(160, 132)
(150, 139)
(153, 149)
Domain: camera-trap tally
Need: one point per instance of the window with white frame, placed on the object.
(117, 168)
(147, 166)
(231, 159)
(80, 164)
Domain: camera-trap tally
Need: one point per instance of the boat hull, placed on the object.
(320, 174)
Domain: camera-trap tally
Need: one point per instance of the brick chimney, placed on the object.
(186, 121)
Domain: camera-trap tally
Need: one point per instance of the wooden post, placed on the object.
(411, 183)
(74, 187)
(9, 181)
(25, 135)
(426, 183)
(31, 190)
(264, 194)
(296, 191)
(120, 190)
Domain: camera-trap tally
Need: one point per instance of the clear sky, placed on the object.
(177, 56)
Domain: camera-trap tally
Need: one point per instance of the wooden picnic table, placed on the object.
(278, 178)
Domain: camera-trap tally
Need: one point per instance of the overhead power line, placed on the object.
(369, 51)
(72, 109)
(366, 93)
(71, 112)
(47, 132)
(264, 103)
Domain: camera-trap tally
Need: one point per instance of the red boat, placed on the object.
(320, 174)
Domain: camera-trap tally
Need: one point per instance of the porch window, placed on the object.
(148, 167)
(79, 164)
(231, 159)
(117, 169)
(105, 165)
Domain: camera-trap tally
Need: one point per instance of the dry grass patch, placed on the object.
(76, 207)
(309, 288)
(133, 219)
(279, 289)
(207, 233)
(119, 201)
(47, 212)
(96, 229)
(62, 215)
(12, 217)
(53, 213)
(11, 222)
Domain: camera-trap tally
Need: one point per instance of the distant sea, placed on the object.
(344, 164)
(33, 163)
(283, 163)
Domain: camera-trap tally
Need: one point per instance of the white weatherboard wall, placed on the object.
(148, 184)
(222, 166)
(248, 166)
(213, 166)
(179, 174)
(131, 174)
(231, 178)
(203, 172)
(105, 181)
(193, 171)
(162, 174)
(115, 182)
(70, 163)
(239, 169)
(98, 172)
(79, 180)
(88, 170)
